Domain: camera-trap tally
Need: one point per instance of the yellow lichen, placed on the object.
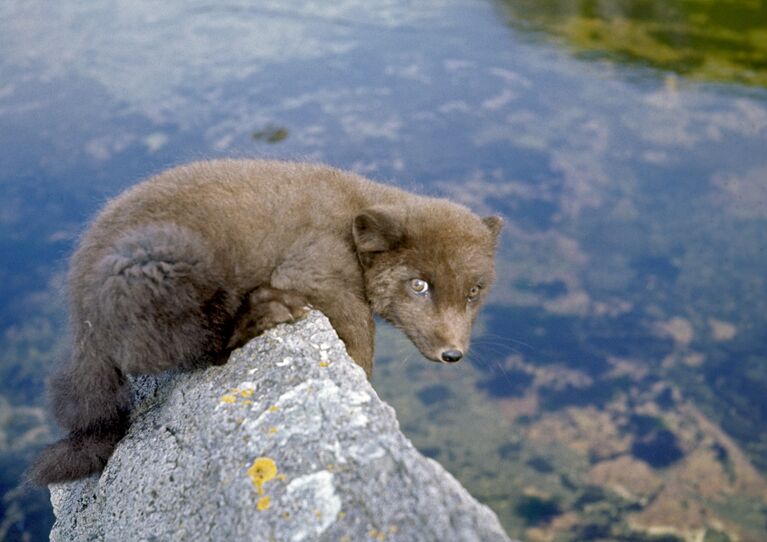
(261, 471)
(281, 477)
(263, 503)
(246, 393)
(273, 430)
(324, 364)
(378, 535)
(228, 398)
(274, 408)
(375, 533)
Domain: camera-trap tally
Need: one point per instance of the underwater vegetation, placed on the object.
(712, 40)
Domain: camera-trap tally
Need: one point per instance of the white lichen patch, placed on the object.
(337, 450)
(287, 360)
(317, 489)
(357, 397)
(298, 395)
(329, 390)
(358, 419)
(298, 409)
(365, 453)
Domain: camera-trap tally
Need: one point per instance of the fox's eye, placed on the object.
(473, 293)
(419, 286)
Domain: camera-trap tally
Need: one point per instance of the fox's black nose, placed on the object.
(452, 356)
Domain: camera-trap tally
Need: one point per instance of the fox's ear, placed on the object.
(377, 229)
(494, 224)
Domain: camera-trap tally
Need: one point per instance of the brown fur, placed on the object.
(186, 266)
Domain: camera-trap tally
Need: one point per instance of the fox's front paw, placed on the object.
(264, 308)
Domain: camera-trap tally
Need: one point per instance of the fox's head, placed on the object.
(428, 267)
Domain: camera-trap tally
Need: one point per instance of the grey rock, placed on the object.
(344, 469)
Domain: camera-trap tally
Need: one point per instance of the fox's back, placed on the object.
(247, 212)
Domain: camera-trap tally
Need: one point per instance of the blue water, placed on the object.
(631, 196)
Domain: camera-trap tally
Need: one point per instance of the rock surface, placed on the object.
(286, 442)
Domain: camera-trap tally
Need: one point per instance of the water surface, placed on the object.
(618, 378)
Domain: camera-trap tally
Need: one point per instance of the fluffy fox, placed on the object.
(185, 267)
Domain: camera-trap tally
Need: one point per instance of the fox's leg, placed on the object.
(264, 308)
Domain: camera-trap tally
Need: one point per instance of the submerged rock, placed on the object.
(287, 441)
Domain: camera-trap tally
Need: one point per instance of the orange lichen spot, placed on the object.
(273, 430)
(246, 393)
(261, 471)
(264, 502)
(318, 514)
(228, 398)
(247, 402)
(274, 408)
(324, 364)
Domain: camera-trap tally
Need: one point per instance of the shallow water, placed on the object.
(618, 375)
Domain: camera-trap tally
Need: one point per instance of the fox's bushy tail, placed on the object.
(150, 302)
(91, 400)
(78, 455)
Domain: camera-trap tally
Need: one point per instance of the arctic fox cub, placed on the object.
(186, 266)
